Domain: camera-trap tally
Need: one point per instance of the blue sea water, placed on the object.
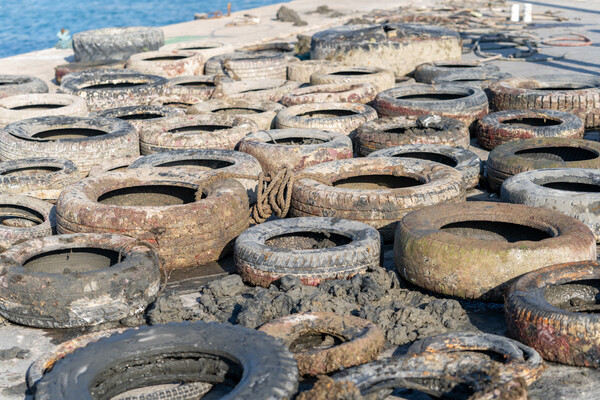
(29, 25)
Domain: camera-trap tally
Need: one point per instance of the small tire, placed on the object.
(207, 48)
(301, 71)
(261, 112)
(362, 93)
(246, 65)
(24, 218)
(168, 64)
(116, 43)
(17, 108)
(434, 72)
(13, 85)
(193, 89)
(381, 78)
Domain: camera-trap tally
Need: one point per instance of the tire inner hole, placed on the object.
(414, 131)
(440, 158)
(432, 96)
(457, 66)
(30, 171)
(198, 163)
(166, 58)
(307, 240)
(38, 107)
(302, 141)
(564, 86)
(68, 133)
(316, 89)
(135, 117)
(81, 259)
(377, 182)
(15, 216)
(259, 89)
(200, 48)
(309, 342)
(350, 73)
(327, 113)
(568, 154)
(199, 129)
(531, 122)
(574, 186)
(15, 82)
(577, 296)
(176, 104)
(496, 231)
(237, 111)
(196, 84)
(149, 196)
(114, 85)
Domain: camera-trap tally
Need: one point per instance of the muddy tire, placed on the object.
(85, 141)
(380, 201)
(209, 132)
(23, 218)
(116, 43)
(16, 108)
(383, 133)
(65, 69)
(148, 205)
(265, 253)
(297, 149)
(506, 126)
(464, 161)
(13, 85)
(226, 354)
(43, 178)
(193, 89)
(261, 112)
(381, 78)
(104, 89)
(301, 71)
(168, 64)
(331, 93)
(572, 191)
(335, 117)
(530, 154)
(362, 340)
(557, 323)
(434, 247)
(207, 48)
(246, 65)
(65, 281)
(256, 89)
(434, 72)
(464, 103)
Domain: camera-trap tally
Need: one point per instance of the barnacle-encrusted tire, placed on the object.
(77, 280)
(12, 85)
(301, 71)
(434, 72)
(207, 48)
(464, 103)
(112, 164)
(139, 116)
(378, 191)
(277, 149)
(381, 78)
(203, 131)
(65, 69)
(336, 117)
(362, 340)
(397, 131)
(312, 249)
(167, 63)
(577, 94)
(16, 108)
(506, 126)
(435, 247)
(552, 310)
(331, 93)
(261, 112)
(256, 89)
(116, 43)
(85, 141)
(192, 89)
(572, 191)
(246, 65)
(43, 178)
(256, 365)
(530, 154)
(149, 205)
(464, 161)
(24, 218)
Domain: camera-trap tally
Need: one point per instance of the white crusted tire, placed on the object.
(261, 112)
(381, 78)
(16, 108)
(302, 70)
(207, 48)
(23, 218)
(255, 89)
(12, 85)
(331, 93)
(116, 43)
(247, 65)
(169, 64)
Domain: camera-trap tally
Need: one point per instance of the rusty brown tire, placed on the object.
(65, 69)
(192, 89)
(433, 72)
(464, 103)
(256, 89)
(43, 178)
(261, 112)
(510, 125)
(335, 117)
(434, 247)
(13, 85)
(331, 93)
(386, 132)
(23, 218)
(576, 94)
(381, 78)
(246, 65)
(107, 88)
(464, 161)
(377, 191)
(16, 108)
(553, 311)
(297, 149)
(207, 48)
(170, 63)
(149, 205)
(530, 154)
(361, 340)
(85, 141)
(202, 131)
(301, 71)
(67, 281)
(311, 249)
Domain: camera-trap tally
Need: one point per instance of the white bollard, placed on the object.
(527, 13)
(515, 10)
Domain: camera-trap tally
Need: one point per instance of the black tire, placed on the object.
(110, 44)
(464, 161)
(245, 65)
(77, 280)
(356, 249)
(24, 218)
(216, 353)
(12, 85)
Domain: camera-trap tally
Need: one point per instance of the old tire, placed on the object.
(530, 154)
(13, 85)
(434, 247)
(169, 64)
(434, 72)
(65, 69)
(301, 71)
(77, 280)
(207, 48)
(16, 108)
(397, 187)
(386, 132)
(261, 112)
(297, 149)
(245, 65)
(202, 351)
(381, 78)
(192, 89)
(464, 161)
(361, 340)
(331, 93)
(148, 205)
(265, 253)
(256, 89)
(112, 164)
(116, 43)
(505, 126)
(335, 117)
(140, 116)
(24, 218)
(85, 141)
